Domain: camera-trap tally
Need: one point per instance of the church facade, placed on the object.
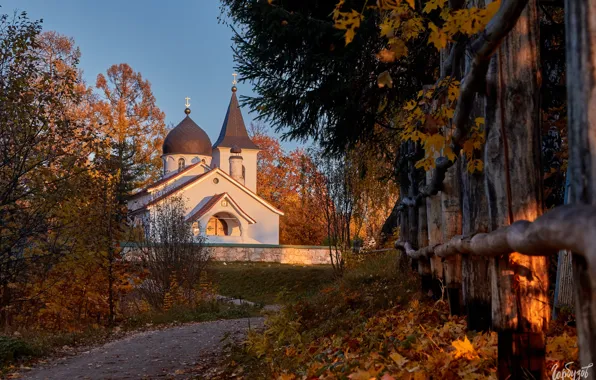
(218, 183)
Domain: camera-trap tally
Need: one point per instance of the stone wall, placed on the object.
(285, 254)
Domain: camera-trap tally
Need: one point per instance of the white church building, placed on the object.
(217, 181)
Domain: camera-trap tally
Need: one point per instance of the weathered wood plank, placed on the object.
(451, 226)
(580, 21)
(520, 311)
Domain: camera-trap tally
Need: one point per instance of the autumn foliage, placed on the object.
(289, 181)
(71, 157)
(371, 326)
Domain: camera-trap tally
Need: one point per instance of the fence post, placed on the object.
(564, 281)
(435, 236)
(423, 264)
(451, 226)
(476, 284)
(514, 191)
(580, 42)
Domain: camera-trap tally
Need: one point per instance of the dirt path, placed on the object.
(148, 355)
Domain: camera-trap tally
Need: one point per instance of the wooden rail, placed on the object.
(568, 227)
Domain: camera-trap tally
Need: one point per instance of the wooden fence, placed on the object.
(569, 227)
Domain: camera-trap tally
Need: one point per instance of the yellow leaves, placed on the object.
(475, 165)
(426, 163)
(361, 374)
(453, 91)
(435, 142)
(491, 11)
(448, 152)
(411, 3)
(437, 37)
(397, 49)
(433, 4)
(464, 349)
(415, 136)
(350, 33)
(348, 21)
(562, 347)
(398, 359)
(468, 149)
(410, 105)
(412, 28)
(388, 26)
(384, 79)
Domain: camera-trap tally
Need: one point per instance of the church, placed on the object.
(218, 182)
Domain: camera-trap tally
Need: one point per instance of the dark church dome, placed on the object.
(187, 138)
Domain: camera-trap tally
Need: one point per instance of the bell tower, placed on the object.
(234, 136)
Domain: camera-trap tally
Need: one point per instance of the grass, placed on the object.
(269, 283)
(262, 283)
(370, 285)
(202, 313)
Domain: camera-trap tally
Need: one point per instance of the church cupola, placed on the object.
(236, 167)
(185, 145)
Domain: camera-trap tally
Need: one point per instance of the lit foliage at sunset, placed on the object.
(427, 117)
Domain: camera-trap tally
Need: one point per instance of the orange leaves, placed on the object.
(464, 349)
(384, 79)
(395, 345)
(397, 50)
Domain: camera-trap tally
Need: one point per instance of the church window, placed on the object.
(217, 227)
(181, 164)
(216, 180)
(224, 203)
(196, 229)
(243, 172)
(203, 161)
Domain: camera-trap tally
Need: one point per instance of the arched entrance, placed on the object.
(223, 224)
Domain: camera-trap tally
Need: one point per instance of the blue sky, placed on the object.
(179, 46)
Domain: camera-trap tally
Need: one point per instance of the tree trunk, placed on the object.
(581, 103)
(520, 311)
(435, 236)
(451, 222)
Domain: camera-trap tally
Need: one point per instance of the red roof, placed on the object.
(163, 180)
(221, 172)
(212, 202)
(175, 189)
(206, 207)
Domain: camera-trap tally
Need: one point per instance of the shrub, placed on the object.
(12, 349)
